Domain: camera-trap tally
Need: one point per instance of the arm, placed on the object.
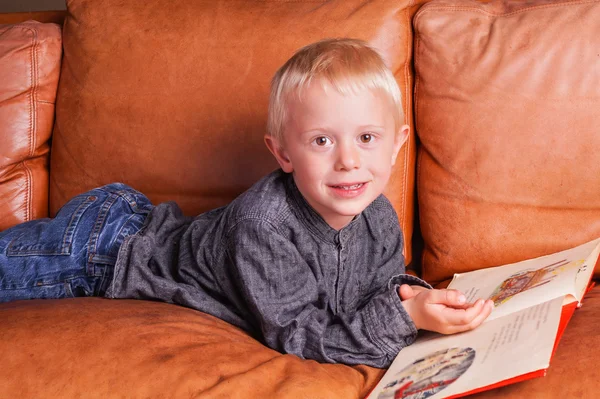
(389, 266)
(289, 307)
(443, 311)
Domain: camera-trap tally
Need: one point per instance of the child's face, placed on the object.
(340, 149)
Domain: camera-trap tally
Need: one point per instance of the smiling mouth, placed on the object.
(352, 187)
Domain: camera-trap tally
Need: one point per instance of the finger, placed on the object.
(414, 290)
(486, 310)
(463, 306)
(406, 292)
(469, 304)
(462, 317)
(451, 298)
(418, 288)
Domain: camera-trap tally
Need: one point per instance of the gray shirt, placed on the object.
(269, 264)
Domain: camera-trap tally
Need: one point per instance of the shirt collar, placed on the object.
(315, 222)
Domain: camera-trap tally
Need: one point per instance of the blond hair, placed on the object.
(347, 65)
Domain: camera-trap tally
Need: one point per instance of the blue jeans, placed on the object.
(73, 254)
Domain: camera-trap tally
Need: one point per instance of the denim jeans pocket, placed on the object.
(43, 237)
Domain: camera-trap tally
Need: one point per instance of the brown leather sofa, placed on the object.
(171, 97)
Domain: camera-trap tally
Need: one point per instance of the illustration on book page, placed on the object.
(528, 279)
(429, 375)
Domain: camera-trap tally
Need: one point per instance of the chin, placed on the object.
(352, 210)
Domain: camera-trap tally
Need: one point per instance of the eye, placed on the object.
(321, 141)
(366, 138)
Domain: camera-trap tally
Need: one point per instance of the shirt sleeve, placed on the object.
(390, 268)
(291, 309)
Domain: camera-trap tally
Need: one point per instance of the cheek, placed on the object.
(316, 162)
(311, 167)
(381, 161)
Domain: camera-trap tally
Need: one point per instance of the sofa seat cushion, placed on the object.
(507, 104)
(125, 348)
(30, 59)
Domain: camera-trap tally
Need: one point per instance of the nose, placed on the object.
(347, 157)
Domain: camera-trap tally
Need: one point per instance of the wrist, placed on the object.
(408, 305)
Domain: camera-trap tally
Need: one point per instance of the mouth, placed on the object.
(348, 187)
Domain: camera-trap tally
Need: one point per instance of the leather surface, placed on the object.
(507, 105)
(69, 348)
(95, 347)
(30, 55)
(91, 347)
(174, 103)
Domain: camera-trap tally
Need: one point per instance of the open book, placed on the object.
(533, 300)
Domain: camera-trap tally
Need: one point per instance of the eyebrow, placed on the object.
(315, 130)
(326, 130)
(371, 127)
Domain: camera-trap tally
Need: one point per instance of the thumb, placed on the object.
(450, 298)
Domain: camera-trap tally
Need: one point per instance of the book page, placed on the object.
(520, 285)
(437, 366)
(585, 272)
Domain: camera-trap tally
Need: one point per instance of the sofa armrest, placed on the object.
(31, 58)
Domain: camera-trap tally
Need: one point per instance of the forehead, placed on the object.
(321, 103)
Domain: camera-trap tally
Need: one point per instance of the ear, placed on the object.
(399, 140)
(279, 153)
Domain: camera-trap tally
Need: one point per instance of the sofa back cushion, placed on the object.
(172, 100)
(507, 105)
(30, 56)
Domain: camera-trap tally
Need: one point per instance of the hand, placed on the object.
(408, 291)
(443, 311)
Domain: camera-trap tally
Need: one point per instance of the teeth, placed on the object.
(354, 187)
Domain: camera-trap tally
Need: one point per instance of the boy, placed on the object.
(309, 259)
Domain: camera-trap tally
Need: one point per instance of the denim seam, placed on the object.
(94, 236)
(123, 226)
(131, 201)
(104, 282)
(39, 282)
(74, 222)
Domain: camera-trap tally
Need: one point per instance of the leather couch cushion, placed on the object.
(30, 55)
(91, 347)
(507, 105)
(173, 100)
(138, 349)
